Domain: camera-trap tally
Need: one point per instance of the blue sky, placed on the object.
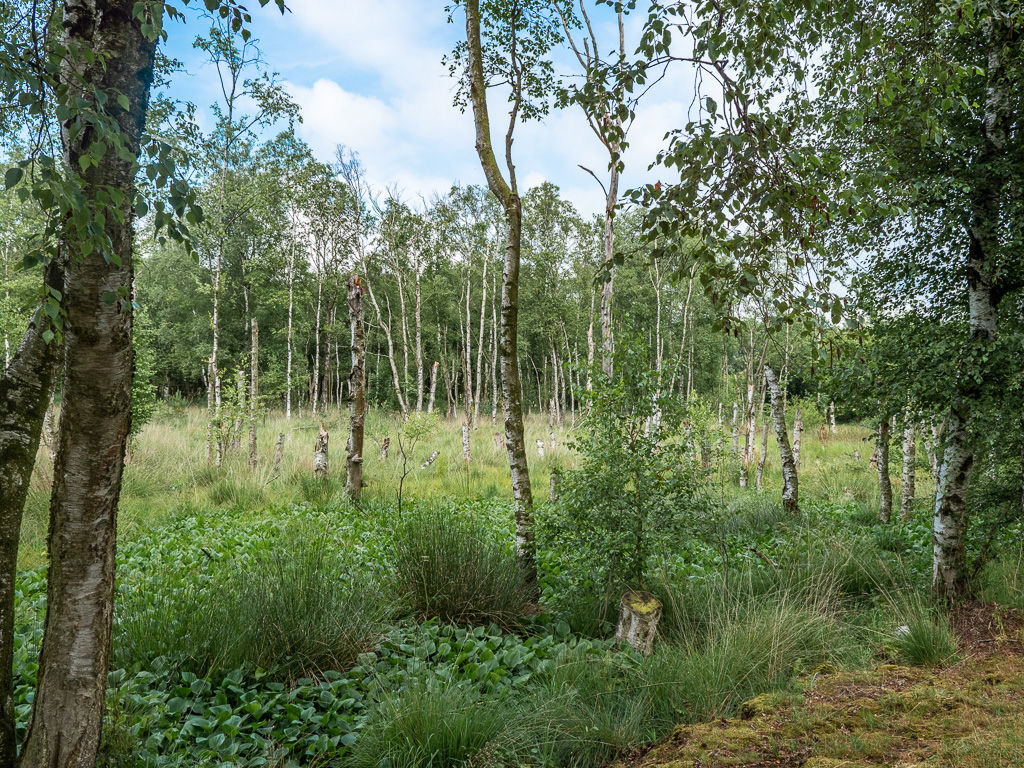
(369, 74)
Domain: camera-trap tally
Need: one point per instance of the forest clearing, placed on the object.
(511, 384)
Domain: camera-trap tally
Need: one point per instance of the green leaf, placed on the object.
(12, 177)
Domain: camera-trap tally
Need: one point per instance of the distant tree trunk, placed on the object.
(494, 357)
(884, 483)
(433, 386)
(832, 415)
(511, 392)
(321, 466)
(748, 445)
(790, 475)
(254, 399)
(469, 404)
(67, 711)
(25, 388)
(480, 348)
(735, 428)
(764, 444)
(419, 343)
(798, 428)
(291, 302)
(607, 287)
(909, 456)
(357, 390)
(405, 333)
(315, 396)
(386, 327)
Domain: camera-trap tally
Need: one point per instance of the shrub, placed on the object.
(638, 488)
(449, 566)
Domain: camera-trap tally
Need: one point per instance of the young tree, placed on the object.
(518, 38)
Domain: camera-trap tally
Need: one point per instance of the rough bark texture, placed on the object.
(790, 477)
(357, 390)
(25, 389)
(949, 523)
(96, 410)
(321, 465)
(278, 454)
(511, 391)
(798, 428)
(884, 483)
(639, 614)
(909, 456)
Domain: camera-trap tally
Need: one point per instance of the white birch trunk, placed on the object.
(480, 349)
(790, 474)
(909, 456)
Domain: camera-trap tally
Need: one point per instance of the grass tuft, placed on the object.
(448, 566)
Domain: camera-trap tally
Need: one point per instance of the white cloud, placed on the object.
(386, 95)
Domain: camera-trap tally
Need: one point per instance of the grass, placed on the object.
(293, 607)
(447, 565)
(324, 628)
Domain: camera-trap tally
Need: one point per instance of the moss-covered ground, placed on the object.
(969, 714)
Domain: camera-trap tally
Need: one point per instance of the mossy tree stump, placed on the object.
(639, 614)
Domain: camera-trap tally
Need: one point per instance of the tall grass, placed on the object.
(450, 566)
(293, 608)
(438, 726)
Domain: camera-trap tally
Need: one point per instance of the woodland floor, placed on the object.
(968, 714)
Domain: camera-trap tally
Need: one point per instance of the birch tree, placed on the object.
(514, 40)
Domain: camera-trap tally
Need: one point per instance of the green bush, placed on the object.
(637, 488)
(448, 565)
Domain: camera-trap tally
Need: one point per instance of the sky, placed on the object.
(369, 74)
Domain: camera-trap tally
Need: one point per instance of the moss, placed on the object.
(641, 603)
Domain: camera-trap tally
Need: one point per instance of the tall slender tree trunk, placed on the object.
(494, 352)
(480, 348)
(254, 390)
(357, 391)
(608, 286)
(67, 710)
(511, 391)
(405, 334)
(909, 456)
(25, 390)
(291, 302)
(884, 483)
(315, 395)
(419, 343)
(949, 524)
(790, 474)
(764, 444)
(386, 327)
(433, 385)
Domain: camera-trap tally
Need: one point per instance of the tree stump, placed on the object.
(540, 448)
(639, 614)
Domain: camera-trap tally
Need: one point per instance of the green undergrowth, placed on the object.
(323, 634)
